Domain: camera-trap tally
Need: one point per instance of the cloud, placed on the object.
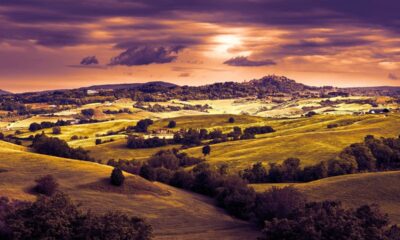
(393, 76)
(89, 60)
(185, 74)
(245, 62)
(144, 55)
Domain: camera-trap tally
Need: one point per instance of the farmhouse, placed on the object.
(379, 111)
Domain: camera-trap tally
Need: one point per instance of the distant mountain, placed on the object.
(2, 92)
(130, 85)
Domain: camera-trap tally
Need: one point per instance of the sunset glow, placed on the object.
(43, 44)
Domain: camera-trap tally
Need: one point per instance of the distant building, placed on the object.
(379, 111)
(91, 92)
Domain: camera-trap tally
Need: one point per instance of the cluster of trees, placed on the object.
(371, 155)
(124, 110)
(38, 126)
(57, 217)
(142, 125)
(284, 213)
(141, 142)
(192, 137)
(171, 108)
(89, 112)
(58, 147)
(258, 130)
(330, 220)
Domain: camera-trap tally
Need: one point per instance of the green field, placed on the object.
(353, 190)
(306, 138)
(174, 214)
(118, 150)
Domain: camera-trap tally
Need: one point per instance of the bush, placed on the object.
(142, 125)
(34, 127)
(56, 130)
(88, 112)
(206, 150)
(231, 120)
(171, 124)
(98, 141)
(117, 178)
(46, 185)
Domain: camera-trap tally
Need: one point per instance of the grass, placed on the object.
(117, 150)
(353, 190)
(306, 138)
(174, 213)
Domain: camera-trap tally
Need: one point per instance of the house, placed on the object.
(379, 111)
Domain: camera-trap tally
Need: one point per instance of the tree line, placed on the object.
(371, 155)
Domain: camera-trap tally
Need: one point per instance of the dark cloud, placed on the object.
(185, 74)
(144, 55)
(245, 62)
(89, 60)
(393, 76)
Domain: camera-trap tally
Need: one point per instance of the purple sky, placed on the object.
(48, 44)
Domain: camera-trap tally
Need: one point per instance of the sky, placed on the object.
(48, 44)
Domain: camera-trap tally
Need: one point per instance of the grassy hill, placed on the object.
(117, 150)
(306, 138)
(353, 190)
(174, 214)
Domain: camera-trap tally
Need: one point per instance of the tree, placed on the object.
(98, 141)
(46, 185)
(278, 203)
(56, 130)
(143, 124)
(206, 150)
(231, 120)
(171, 124)
(34, 127)
(87, 112)
(117, 177)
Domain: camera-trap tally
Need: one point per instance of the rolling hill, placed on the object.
(174, 214)
(354, 190)
(306, 138)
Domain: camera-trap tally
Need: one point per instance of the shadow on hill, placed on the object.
(132, 185)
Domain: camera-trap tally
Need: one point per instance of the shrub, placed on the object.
(46, 185)
(142, 125)
(34, 127)
(231, 120)
(87, 112)
(171, 124)
(56, 130)
(206, 150)
(98, 141)
(117, 178)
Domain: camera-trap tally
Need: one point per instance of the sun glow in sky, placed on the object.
(61, 44)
